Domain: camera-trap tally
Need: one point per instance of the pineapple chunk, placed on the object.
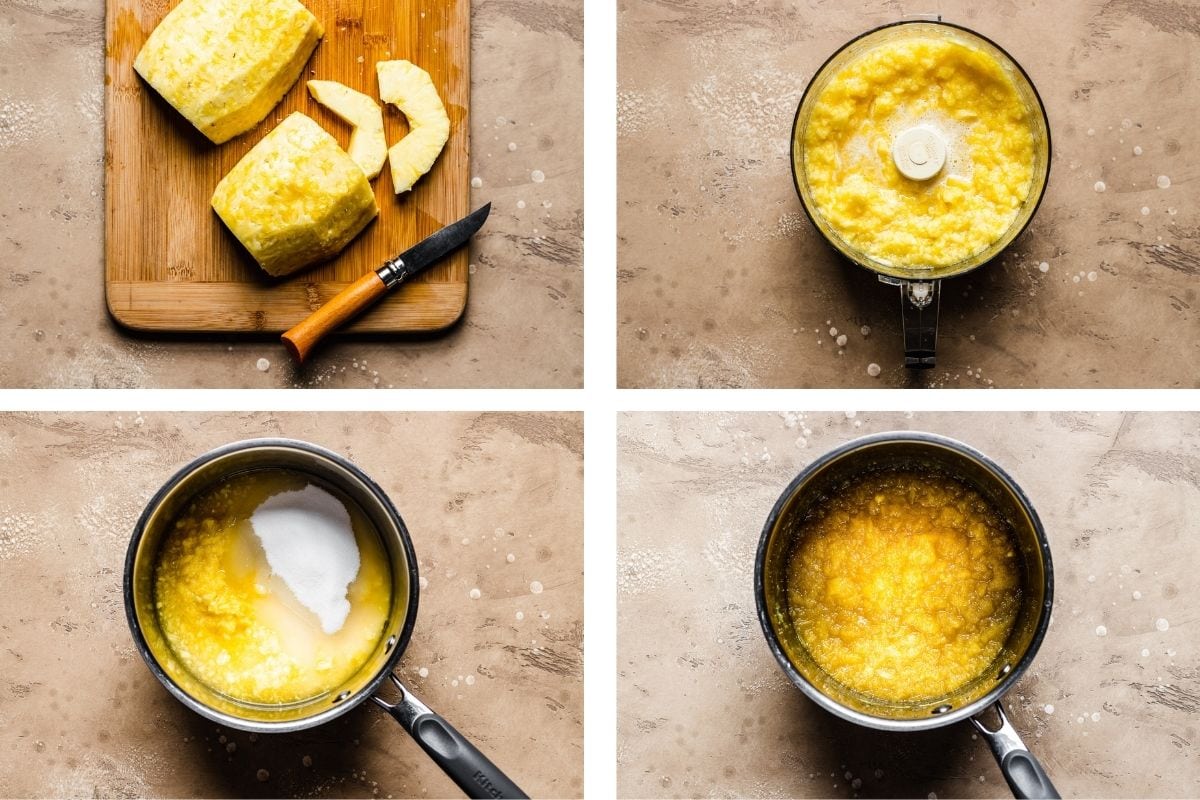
(367, 147)
(410, 89)
(224, 64)
(296, 198)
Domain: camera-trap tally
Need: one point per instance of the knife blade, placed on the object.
(361, 294)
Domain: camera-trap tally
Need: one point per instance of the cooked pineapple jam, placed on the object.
(904, 586)
(269, 589)
(970, 100)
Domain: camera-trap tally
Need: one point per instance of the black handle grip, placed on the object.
(462, 761)
(1023, 772)
(919, 303)
(1026, 777)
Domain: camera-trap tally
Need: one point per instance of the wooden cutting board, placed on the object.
(171, 265)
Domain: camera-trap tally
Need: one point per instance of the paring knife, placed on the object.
(356, 297)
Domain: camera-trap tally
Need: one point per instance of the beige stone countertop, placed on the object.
(82, 716)
(723, 281)
(704, 710)
(523, 326)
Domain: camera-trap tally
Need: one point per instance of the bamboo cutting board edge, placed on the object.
(151, 306)
(217, 288)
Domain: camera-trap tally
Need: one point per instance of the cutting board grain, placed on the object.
(170, 265)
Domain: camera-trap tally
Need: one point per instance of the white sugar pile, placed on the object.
(309, 542)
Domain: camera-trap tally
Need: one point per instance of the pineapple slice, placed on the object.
(224, 64)
(367, 147)
(410, 89)
(296, 198)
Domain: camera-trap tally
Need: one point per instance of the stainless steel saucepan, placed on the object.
(818, 481)
(463, 762)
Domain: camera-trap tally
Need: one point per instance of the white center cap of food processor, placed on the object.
(919, 153)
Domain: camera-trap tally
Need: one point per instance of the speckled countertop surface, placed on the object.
(81, 715)
(725, 283)
(705, 711)
(524, 321)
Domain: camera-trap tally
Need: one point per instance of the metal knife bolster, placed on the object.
(393, 272)
(432, 248)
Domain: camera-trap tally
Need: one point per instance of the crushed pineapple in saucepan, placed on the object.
(904, 586)
(236, 623)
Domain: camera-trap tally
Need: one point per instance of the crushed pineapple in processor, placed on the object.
(920, 152)
(270, 589)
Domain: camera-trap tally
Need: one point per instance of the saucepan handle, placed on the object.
(462, 761)
(919, 301)
(1021, 769)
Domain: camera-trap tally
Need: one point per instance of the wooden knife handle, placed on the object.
(346, 304)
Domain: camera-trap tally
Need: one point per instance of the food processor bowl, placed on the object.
(920, 284)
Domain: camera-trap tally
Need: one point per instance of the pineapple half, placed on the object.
(296, 198)
(409, 88)
(224, 64)
(368, 148)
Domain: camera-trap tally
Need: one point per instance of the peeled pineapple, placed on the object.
(296, 198)
(367, 147)
(410, 89)
(224, 64)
